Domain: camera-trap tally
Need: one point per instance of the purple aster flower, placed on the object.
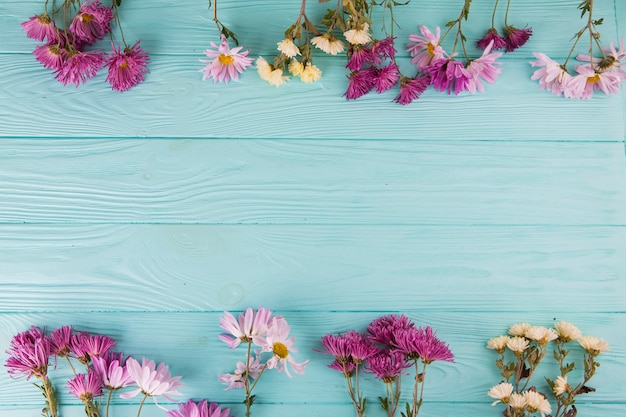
(387, 77)
(360, 83)
(361, 55)
(422, 343)
(383, 330)
(111, 368)
(492, 35)
(448, 75)
(226, 63)
(346, 368)
(86, 346)
(337, 346)
(80, 67)
(383, 49)
(126, 69)
(28, 354)
(361, 347)
(412, 88)
(41, 27)
(62, 340)
(387, 365)
(85, 387)
(50, 56)
(516, 38)
(92, 22)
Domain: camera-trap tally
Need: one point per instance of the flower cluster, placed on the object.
(513, 37)
(391, 345)
(70, 31)
(274, 349)
(30, 354)
(593, 73)
(528, 346)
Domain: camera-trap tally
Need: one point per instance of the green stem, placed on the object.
(108, 403)
(493, 15)
(141, 404)
(506, 14)
(50, 396)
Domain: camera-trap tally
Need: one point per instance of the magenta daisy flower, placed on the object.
(80, 67)
(425, 49)
(201, 409)
(412, 88)
(85, 387)
(126, 68)
(360, 83)
(226, 63)
(151, 380)
(384, 329)
(383, 49)
(386, 77)
(41, 27)
(360, 55)
(423, 343)
(492, 36)
(62, 340)
(92, 22)
(387, 365)
(50, 56)
(28, 354)
(516, 38)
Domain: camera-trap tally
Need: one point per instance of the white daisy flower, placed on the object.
(593, 345)
(502, 392)
(288, 48)
(567, 331)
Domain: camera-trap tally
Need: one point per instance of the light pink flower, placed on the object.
(41, 27)
(236, 379)
(226, 63)
(85, 387)
(280, 344)
(485, 68)
(425, 49)
(151, 381)
(112, 370)
(126, 69)
(553, 77)
(201, 409)
(251, 326)
(589, 80)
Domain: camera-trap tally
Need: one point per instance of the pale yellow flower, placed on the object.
(358, 36)
(328, 43)
(295, 67)
(567, 331)
(519, 329)
(536, 402)
(560, 385)
(517, 401)
(542, 335)
(310, 73)
(276, 78)
(263, 68)
(498, 343)
(517, 344)
(502, 392)
(288, 48)
(593, 345)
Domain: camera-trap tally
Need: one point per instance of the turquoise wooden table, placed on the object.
(145, 215)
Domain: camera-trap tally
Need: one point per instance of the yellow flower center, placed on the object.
(123, 65)
(86, 17)
(594, 79)
(431, 49)
(281, 350)
(225, 59)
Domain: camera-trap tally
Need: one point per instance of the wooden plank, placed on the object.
(312, 182)
(187, 28)
(211, 268)
(175, 102)
(188, 343)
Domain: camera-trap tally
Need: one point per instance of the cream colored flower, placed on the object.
(517, 401)
(295, 67)
(502, 392)
(519, 329)
(536, 402)
(593, 345)
(288, 48)
(498, 343)
(542, 335)
(263, 68)
(328, 43)
(560, 385)
(276, 78)
(517, 344)
(358, 36)
(567, 331)
(310, 73)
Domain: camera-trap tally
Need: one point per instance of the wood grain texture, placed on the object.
(312, 182)
(175, 102)
(163, 336)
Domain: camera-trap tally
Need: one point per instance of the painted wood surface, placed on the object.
(144, 215)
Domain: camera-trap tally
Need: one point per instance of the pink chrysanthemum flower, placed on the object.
(85, 387)
(28, 354)
(361, 347)
(236, 379)
(126, 69)
(92, 22)
(251, 326)
(384, 329)
(361, 55)
(449, 75)
(516, 38)
(360, 83)
(589, 80)
(62, 340)
(338, 346)
(425, 49)
(485, 68)
(412, 88)
(387, 365)
(41, 27)
(280, 344)
(423, 343)
(201, 409)
(111, 368)
(152, 381)
(346, 368)
(86, 346)
(492, 36)
(553, 77)
(50, 56)
(80, 67)
(386, 77)
(226, 63)
(383, 49)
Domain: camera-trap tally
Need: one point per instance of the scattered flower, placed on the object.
(152, 381)
(593, 345)
(560, 385)
(501, 392)
(225, 64)
(516, 38)
(328, 44)
(537, 403)
(358, 36)
(310, 73)
(288, 48)
(567, 331)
